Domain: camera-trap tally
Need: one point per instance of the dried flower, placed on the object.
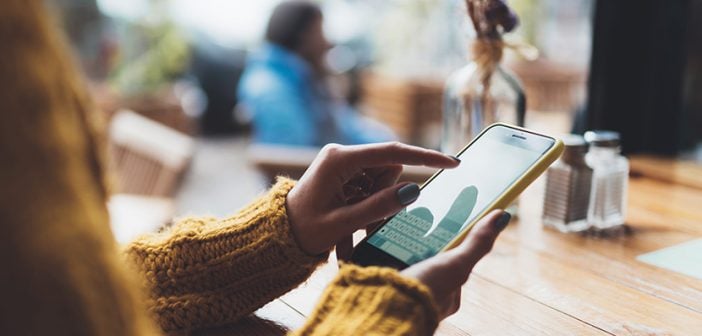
(491, 18)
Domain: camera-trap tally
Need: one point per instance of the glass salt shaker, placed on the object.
(568, 183)
(608, 197)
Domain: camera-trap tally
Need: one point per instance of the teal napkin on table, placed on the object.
(685, 258)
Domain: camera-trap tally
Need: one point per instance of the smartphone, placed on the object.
(495, 168)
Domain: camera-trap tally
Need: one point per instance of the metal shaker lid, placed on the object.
(574, 141)
(575, 148)
(602, 138)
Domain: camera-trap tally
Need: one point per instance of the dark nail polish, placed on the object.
(502, 221)
(455, 158)
(408, 194)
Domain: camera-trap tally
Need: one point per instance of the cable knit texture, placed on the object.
(205, 272)
(373, 301)
(62, 271)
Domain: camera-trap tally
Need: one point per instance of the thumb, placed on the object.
(481, 239)
(445, 272)
(384, 203)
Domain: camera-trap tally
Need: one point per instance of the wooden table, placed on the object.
(538, 281)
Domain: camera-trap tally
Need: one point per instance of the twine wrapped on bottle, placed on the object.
(491, 19)
(487, 54)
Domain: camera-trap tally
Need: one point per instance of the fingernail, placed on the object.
(502, 221)
(408, 194)
(455, 158)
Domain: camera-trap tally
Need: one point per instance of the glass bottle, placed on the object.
(608, 196)
(468, 108)
(568, 183)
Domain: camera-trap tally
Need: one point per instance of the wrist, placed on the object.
(289, 233)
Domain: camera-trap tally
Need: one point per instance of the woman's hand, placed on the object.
(446, 272)
(347, 188)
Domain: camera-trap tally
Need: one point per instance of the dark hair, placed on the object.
(289, 21)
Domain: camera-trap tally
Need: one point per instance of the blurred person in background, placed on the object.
(285, 89)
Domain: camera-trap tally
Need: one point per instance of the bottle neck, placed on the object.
(483, 71)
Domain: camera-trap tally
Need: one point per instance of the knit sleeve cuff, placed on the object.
(284, 236)
(373, 300)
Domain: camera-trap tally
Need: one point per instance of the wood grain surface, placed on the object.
(540, 282)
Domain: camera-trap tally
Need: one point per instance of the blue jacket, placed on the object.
(289, 106)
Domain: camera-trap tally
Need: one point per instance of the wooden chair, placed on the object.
(147, 157)
(551, 87)
(412, 108)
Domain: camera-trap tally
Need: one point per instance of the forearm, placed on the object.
(373, 301)
(205, 272)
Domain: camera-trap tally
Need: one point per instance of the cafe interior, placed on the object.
(205, 103)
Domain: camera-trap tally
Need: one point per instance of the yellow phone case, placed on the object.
(516, 188)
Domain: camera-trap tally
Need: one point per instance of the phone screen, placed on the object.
(452, 200)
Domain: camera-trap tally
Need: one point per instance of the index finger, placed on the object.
(396, 153)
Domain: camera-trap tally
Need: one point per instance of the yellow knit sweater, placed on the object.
(62, 272)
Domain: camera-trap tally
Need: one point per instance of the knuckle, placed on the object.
(461, 276)
(483, 239)
(330, 150)
(396, 145)
(465, 276)
(402, 146)
(485, 247)
(478, 246)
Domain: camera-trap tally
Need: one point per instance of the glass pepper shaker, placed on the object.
(608, 198)
(568, 183)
